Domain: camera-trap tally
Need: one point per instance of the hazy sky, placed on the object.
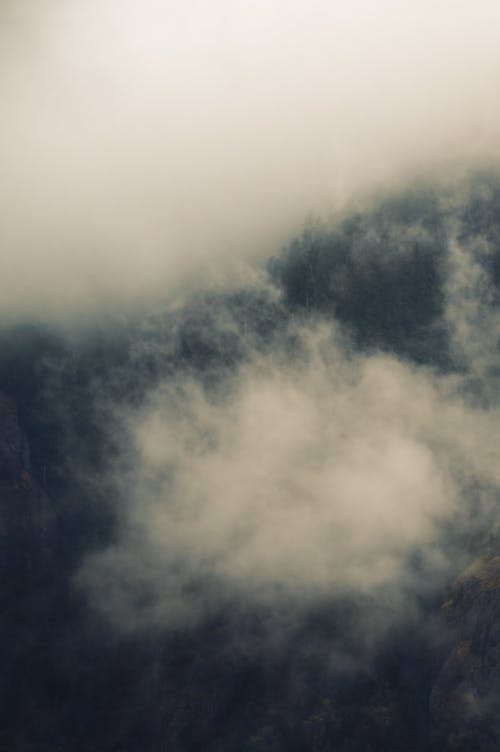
(143, 141)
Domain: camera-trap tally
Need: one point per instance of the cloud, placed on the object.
(330, 472)
(146, 142)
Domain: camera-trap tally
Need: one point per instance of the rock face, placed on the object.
(465, 700)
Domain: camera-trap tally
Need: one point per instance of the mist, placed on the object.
(149, 147)
(299, 480)
(249, 375)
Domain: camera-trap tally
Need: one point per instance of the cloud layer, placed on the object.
(143, 143)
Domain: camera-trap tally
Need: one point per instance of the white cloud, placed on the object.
(307, 479)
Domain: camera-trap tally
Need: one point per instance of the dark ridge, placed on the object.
(380, 274)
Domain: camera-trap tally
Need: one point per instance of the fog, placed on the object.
(249, 374)
(314, 425)
(148, 146)
(305, 481)
(302, 479)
